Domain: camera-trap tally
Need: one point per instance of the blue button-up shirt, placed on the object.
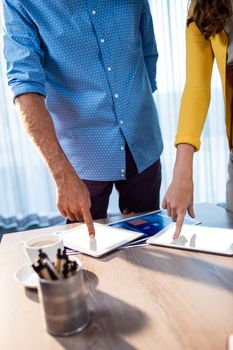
(95, 61)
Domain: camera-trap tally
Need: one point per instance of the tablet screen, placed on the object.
(201, 238)
(149, 224)
(106, 239)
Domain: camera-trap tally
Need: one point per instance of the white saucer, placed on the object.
(26, 276)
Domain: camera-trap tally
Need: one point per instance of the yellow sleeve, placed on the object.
(196, 96)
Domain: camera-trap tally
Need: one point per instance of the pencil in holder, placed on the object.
(64, 304)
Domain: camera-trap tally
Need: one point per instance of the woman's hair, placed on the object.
(210, 16)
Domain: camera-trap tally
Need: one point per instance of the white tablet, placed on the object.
(106, 239)
(200, 238)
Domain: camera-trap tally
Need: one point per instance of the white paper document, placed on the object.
(200, 238)
(106, 239)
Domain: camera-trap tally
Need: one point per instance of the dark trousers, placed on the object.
(138, 193)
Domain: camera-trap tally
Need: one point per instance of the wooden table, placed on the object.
(146, 298)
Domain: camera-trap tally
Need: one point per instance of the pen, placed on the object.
(42, 271)
(63, 260)
(57, 263)
(46, 263)
(61, 268)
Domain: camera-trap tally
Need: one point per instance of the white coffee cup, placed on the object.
(49, 243)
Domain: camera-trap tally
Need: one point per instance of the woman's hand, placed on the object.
(179, 196)
(178, 200)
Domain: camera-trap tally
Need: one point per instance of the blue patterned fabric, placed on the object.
(95, 61)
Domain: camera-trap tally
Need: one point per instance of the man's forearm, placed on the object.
(73, 198)
(39, 125)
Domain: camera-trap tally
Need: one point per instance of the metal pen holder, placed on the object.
(64, 304)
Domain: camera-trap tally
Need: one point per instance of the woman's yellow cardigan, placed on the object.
(200, 55)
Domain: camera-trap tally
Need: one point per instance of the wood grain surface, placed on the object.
(146, 298)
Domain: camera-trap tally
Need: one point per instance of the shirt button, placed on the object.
(121, 122)
(122, 175)
(116, 95)
(122, 148)
(93, 12)
(109, 69)
(102, 40)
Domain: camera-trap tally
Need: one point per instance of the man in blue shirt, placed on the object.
(82, 74)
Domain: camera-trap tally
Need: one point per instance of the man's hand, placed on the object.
(73, 200)
(179, 196)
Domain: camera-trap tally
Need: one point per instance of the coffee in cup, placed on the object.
(48, 243)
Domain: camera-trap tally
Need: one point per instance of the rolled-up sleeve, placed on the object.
(149, 44)
(22, 51)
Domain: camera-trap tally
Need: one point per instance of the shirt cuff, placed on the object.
(188, 139)
(27, 87)
(154, 86)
